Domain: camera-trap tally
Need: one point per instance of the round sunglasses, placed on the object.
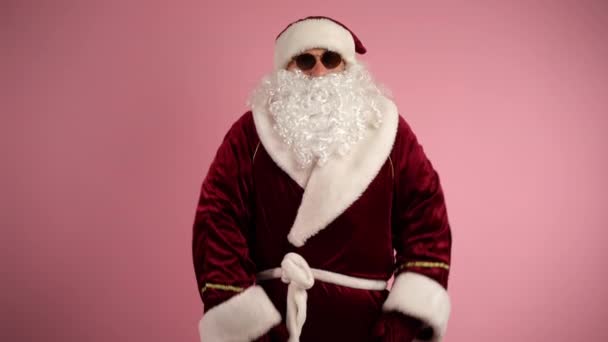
(307, 61)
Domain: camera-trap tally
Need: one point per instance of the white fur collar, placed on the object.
(332, 188)
(276, 148)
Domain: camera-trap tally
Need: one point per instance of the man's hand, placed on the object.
(278, 333)
(396, 327)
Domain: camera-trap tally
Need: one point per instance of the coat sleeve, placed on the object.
(234, 307)
(421, 238)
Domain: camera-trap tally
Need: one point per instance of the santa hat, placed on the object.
(316, 32)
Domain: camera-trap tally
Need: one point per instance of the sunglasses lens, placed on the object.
(305, 61)
(331, 59)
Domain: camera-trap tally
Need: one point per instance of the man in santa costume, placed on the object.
(315, 198)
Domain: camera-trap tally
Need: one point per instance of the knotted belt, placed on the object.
(300, 277)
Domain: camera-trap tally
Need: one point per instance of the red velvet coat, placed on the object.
(349, 217)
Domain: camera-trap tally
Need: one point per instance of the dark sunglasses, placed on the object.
(307, 61)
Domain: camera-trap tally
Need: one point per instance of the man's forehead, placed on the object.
(315, 50)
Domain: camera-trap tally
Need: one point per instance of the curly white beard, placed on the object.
(318, 117)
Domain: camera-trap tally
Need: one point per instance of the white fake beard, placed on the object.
(319, 117)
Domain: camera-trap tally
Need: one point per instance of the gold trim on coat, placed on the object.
(221, 287)
(255, 152)
(428, 264)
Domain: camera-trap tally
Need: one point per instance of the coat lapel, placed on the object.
(278, 151)
(329, 190)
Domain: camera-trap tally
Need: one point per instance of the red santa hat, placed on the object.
(316, 32)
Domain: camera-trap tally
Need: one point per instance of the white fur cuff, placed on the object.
(421, 297)
(244, 317)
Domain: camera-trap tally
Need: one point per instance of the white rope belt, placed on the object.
(295, 271)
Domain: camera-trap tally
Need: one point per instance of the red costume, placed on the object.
(345, 218)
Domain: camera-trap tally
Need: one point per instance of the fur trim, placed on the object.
(327, 191)
(422, 297)
(310, 34)
(332, 188)
(277, 149)
(244, 317)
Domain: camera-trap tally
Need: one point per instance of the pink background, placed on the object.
(112, 111)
